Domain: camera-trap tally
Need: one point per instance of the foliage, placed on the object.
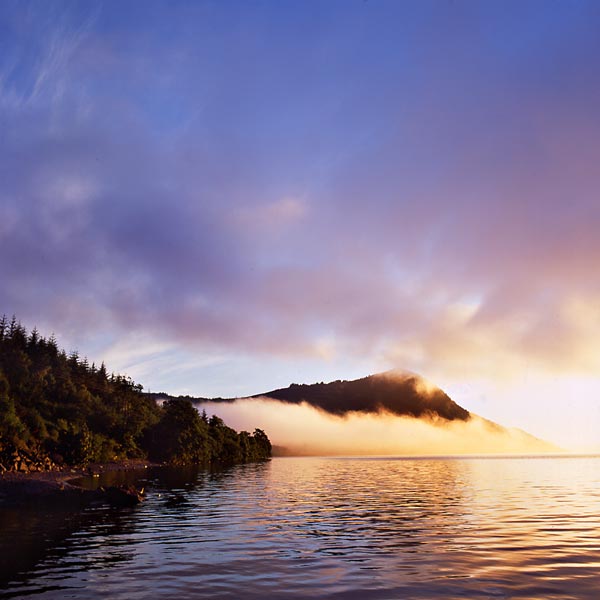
(60, 405)
(183, 436)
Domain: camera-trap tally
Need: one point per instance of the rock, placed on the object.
(122, 495)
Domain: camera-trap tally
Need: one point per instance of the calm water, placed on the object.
(325, 528)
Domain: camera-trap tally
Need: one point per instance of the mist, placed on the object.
(301, 429)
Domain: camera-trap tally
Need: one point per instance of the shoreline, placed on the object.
(51, 486)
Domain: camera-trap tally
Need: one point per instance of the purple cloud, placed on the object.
(270, 183)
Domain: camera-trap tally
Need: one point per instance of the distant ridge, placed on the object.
(395, 391)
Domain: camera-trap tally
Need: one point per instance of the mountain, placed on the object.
(397, 392)
(394, 413)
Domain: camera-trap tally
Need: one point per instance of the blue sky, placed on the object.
(219, 198)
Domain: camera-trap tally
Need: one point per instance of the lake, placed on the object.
(324, 528)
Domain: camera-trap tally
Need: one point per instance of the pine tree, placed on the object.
(3, 327)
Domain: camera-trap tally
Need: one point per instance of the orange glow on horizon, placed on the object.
(304, 430)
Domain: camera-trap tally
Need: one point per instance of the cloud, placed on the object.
(305, 430)
(272, 217)
(429, 208)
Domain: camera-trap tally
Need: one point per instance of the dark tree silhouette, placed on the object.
(58, 407)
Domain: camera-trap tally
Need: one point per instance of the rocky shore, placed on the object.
(59, 484)
(13, 460)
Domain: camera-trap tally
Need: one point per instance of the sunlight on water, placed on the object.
(329, 527)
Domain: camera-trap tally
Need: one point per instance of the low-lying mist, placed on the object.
(302, 429)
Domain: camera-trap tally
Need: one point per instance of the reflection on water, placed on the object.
(324, 527)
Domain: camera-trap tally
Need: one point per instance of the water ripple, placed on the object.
(329, 528)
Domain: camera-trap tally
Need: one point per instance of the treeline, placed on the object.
(62, 410)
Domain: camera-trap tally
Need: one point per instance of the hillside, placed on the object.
(388, 413)
(58, 410)
(392, 391)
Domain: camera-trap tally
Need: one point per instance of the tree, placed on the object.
(57, 405)
(34, 338)
(3, 327)
(12, 429)
(263, 444)
(180, 437)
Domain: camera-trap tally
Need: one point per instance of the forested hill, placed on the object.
(393, 391)
(58, 409)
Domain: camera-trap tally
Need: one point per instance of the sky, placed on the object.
(220, 198)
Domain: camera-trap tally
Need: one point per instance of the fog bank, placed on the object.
(304, 430)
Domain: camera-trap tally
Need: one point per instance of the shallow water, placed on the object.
(324, 528)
